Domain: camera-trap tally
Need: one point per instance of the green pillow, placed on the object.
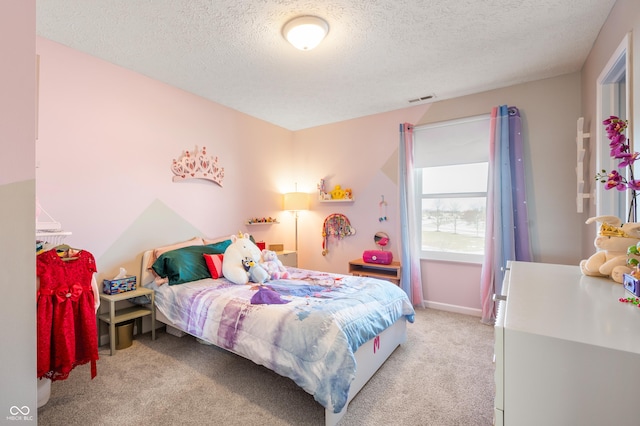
(187, 263)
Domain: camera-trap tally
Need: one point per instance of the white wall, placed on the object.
(17, 188)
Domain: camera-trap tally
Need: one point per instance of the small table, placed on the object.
(114, 316)
(391, 272)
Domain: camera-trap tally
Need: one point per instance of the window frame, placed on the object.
(612, 98)
(445, 256)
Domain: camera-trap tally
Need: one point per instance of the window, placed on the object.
(452, 168)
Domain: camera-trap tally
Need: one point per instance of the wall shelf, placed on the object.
(345, 200)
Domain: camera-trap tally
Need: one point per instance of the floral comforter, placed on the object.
(306, 328)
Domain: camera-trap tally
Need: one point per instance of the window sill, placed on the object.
(452, 257)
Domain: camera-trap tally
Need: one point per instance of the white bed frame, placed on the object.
(369, 357)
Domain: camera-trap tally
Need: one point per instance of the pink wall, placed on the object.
(108, 135)
(107, 140)
(361, 154)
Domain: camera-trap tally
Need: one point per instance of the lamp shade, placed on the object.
(296, 201)
(305, 32)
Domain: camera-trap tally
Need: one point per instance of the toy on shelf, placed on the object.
(335, 225)
(337, 194)
(261, 220)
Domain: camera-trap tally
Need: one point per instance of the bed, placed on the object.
(329, 333)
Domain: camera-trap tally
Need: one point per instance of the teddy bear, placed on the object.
(274, 267)
(257, 273)
(241, 247)
(613, 241)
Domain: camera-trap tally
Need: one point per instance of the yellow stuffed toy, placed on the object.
(337, 193)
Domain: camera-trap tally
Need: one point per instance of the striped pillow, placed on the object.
(214, 263)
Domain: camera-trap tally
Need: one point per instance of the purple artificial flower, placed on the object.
(615, 180)
(617, 151)
(628, 159)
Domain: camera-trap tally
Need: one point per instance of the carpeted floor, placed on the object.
(442, 376)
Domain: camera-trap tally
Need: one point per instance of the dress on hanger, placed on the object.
(67, 333)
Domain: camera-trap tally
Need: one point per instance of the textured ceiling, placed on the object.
(378, 54)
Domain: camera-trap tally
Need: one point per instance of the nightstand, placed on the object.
(288, 258)
(114, 317)
(391, 272)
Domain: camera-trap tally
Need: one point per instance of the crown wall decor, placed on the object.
(196, 165)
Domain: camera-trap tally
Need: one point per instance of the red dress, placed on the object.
(67, 333)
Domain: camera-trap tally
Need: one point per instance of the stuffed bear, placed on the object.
(273, 265)
(240, 248)
(612, 243)
(257, 273)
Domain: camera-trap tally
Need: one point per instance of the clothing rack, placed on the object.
(52, 237)
(49, 231)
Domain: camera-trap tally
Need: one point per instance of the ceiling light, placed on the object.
(305, 32)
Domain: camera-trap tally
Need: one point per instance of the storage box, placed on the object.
(377, 256)
(119, 286)
(276, 247)
(632, 285)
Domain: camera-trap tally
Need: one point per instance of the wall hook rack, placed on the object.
(580, 137)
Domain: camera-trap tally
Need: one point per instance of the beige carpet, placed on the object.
(442, 376)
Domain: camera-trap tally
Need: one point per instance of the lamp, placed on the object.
(305, 32)
(296, 201)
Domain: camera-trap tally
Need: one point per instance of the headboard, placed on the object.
(145, 275)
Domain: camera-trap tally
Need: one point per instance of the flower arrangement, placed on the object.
(620, 150)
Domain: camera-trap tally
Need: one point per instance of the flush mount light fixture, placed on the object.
(305, 32)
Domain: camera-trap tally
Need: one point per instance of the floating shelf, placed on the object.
(261, 223)
(345, 200)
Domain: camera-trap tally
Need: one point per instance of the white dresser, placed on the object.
(567, 351)
(288, 258)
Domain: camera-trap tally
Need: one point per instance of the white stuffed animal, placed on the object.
(612, 242)
(273, 265)
(241, 247)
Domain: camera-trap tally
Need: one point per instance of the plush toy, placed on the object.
(337, 193)
(273, 265)
(241, 247)
(257, 273)
(612, 242)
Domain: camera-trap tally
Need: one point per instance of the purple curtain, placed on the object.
(507, 233)
(409, 226)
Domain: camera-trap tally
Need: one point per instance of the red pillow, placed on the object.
(214, 263)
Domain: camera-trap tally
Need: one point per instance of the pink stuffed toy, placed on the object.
(274, 267)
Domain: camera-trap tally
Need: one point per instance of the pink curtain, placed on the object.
(409, 225)
(507, 231)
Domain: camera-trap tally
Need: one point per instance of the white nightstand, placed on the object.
(288, 258)
(114, 317)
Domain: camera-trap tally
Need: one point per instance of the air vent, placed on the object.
(422, 98)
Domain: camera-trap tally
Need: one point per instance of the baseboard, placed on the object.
(453, 308)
